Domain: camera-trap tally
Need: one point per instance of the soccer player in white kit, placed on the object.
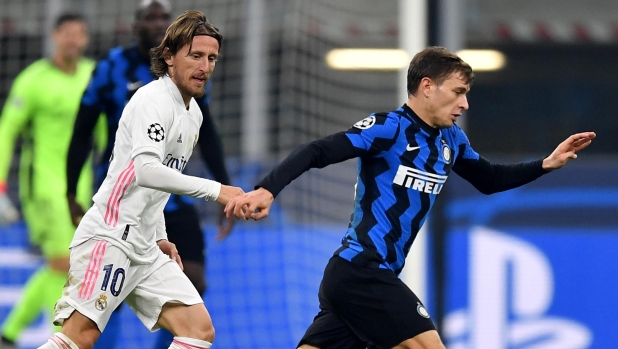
(120, 251)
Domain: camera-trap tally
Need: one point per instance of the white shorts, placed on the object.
(101, 276)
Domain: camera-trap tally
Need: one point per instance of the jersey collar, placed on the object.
(412, 115)
(171, 86)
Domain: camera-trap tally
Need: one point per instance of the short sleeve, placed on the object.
(375, 133)
(463, 143)
(150, 120)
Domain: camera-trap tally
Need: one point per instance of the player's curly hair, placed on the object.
(436, 63)
(178, 34)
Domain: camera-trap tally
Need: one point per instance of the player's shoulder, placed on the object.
(386, 121)
(36, 68)
(86, 63)
(454, 134)
(115, 54)
(380, 124)
(153, 93)
(33, 73)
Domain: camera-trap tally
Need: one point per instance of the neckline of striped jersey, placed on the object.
(407, 111)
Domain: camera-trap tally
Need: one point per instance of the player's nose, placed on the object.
(464, 103)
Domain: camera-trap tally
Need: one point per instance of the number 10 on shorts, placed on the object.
(117, 280)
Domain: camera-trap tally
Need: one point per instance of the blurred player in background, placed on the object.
(115, 80)
(120, 251)
(41, 107)
(405, 156)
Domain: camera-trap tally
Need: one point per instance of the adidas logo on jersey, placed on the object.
(179, 140)
(425, 182)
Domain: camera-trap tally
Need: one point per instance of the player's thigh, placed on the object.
(425, 340)
(328, 331)
(191, 321)
(374, 303)
(99, 279)
(167, 284)
(49, 225)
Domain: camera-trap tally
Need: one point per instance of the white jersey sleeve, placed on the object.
(150, 173)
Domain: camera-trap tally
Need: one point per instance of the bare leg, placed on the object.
(425, 340)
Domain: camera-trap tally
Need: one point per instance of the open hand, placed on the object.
(170, 249)
(568, 150)
(76, 210)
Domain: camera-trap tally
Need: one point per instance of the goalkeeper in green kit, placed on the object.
(41, 107)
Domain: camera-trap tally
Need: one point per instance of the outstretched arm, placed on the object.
(151, 173)
(568, 150)
(317, 154)
(491, 178)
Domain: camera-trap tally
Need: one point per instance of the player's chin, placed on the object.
(198, 92)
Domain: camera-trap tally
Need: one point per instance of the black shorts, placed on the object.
(184, 230)
(364, 307)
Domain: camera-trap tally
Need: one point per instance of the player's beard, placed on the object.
(186, 88)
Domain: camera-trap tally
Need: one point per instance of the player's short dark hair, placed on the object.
(180, 33)
(68, 17)
(436, 63)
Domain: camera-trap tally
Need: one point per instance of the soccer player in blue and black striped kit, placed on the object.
(405, 156)
(116, 78)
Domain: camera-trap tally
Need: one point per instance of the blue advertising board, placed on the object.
(535, 267)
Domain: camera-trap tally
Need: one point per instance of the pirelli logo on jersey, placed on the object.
(425, 182)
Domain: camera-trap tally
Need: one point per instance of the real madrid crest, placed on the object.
(101, 303)
(446, 153)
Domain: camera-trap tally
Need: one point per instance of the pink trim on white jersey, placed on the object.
(60, 342)
(120, 188)
(187, 345)
(92, 272)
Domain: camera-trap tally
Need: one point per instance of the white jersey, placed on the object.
(155, 121)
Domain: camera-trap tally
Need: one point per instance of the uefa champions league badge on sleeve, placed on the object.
(422, 311)
(366, 123)
(156, 132)
(101, 303)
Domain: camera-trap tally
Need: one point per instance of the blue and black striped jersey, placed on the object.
(403, 164)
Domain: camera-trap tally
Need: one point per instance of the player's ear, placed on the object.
(167, 56)
(425, 86)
